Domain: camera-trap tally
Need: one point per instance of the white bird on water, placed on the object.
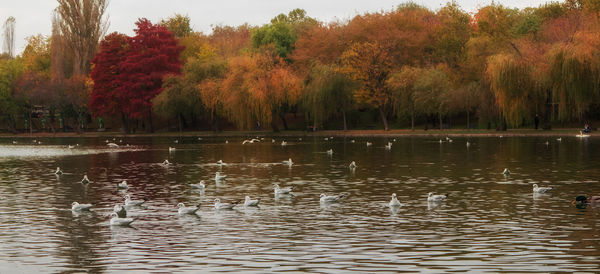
(123, 185)
(394, 202)
(120, 210)
(468, 144)
(369, 144)
(85, 180)
(434, 198)
(219, 162)
(250, 202)
(288, 162)
(176, 141)
(129, 202)
(70, 146)
(112, 145)
(75, 206)
(220, 206)
(182, 209)
(352, 141)
(352, 165)
(58, 171)
(388, 146)
(251, 141)
(115, 220)
(506, 171)
(219, 177)
(331, 198)
(559, 139)
(166, 162)
(282, 190)
(199, 185)
(283, 143)
(537, 189)
(172, 149)
(330, 151)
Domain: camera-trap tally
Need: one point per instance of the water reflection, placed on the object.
(489, 223)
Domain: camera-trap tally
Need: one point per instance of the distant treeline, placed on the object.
(498, 67)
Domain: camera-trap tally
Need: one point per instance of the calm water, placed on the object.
(489, 223)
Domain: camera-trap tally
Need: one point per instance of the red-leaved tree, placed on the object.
(154, 53)
(128, 72)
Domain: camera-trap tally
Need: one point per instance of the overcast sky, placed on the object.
(34, 16)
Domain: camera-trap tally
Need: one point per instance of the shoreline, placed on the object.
(564, 132)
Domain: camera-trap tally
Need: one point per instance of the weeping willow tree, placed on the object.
(514, 89)
(402, 83)
(327, 94)
(575, 75)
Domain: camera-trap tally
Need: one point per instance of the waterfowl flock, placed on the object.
(118, 217)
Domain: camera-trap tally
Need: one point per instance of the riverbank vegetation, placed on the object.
(403, 68)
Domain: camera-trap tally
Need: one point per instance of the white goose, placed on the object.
(220, 206)
(352, 165)
(115, 220)
(120, 211)
(199, 185)
(394, 202)
(219, 177)
(537, 189)
(433, 198)
(331, 198)
(85, 180)
(182, 209)
(250, 202)
(129, 202)
(123, 185)
(288, 162)
(279, 190)
(75, 206)
(58, 171)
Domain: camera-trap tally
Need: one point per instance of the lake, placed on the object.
(489, 222)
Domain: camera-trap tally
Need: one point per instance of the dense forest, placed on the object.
(411, 66)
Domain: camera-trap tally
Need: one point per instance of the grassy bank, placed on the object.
(338, 133)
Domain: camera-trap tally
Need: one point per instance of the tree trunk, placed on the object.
(274, 125)
(345, 124)
(179, 122)
(468, 124)
(124, 122)
(383, 119)
(440, 116)
(30, 123)
(285, 126)
(150, 128)
(412, 119)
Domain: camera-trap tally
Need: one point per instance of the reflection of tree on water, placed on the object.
(81, 241)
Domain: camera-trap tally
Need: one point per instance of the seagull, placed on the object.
(506, 172)
(58, 171)
(278, 190)
(75, 206)
(176, 141)
(123, 185)
(250, 202)
(199, 138)
(394, 202)
(352, 141)
(369, 144)
(219, 205)
(388, 146)
(468, 144)
(326, 139)
(433, 198)
(537, 189)
(172, 149)
(14, 142)
(441, 141)
(112, 145)
(129, 202)
(227, 142)
(547, 143)
(166, 162)
(559, 139)
(85, 180)
(288, 162)
(352, 165)
(219, 177)
(70, 147)
(331, 198)
(120, 210)
(283, 143)
(219, 162)
(199, 185)
(182, 209)
(115, 220)
(251, 141)
(330, 152)
(272, 140)
(300, 139)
